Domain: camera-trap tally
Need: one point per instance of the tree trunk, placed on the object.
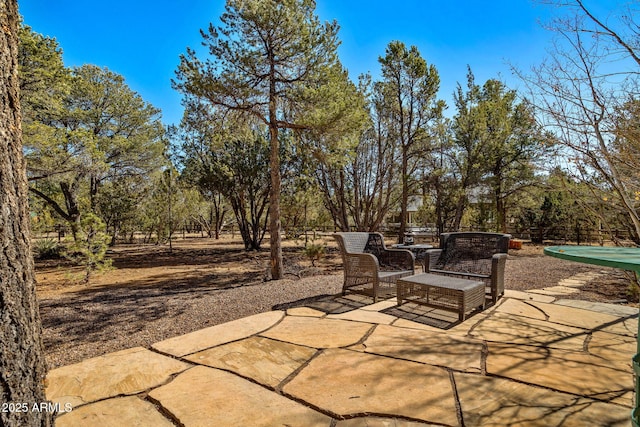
(93, 193)
(460, 207)
(275, 242)
(405, 196)
(73, 209)
(277, 270)
(22, 366)
(217, 216)
(439, 217)
(501, 211)
(501, 220)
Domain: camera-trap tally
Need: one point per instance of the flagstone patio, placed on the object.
(530, 360)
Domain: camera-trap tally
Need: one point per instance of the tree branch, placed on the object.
(51, 203)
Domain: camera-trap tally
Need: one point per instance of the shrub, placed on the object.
(90, 246)
(47, 249)
(314, 252)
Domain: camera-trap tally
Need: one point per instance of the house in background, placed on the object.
(414, 205)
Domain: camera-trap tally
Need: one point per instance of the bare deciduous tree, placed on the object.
(587, 92)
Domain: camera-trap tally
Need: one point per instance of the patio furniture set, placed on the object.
(458, 276)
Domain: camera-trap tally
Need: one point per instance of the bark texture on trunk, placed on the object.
(22, 368)
(275, 241)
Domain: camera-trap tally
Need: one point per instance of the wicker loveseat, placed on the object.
(472, 255)
(368, 263)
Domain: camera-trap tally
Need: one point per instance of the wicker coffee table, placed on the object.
(447, 293)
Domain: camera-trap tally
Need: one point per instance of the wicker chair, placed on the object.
(472, 255)
(368, 262)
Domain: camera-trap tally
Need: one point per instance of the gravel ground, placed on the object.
(86, 324)
(81, 326)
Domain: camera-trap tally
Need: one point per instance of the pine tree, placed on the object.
(275, 61)
(22, 366)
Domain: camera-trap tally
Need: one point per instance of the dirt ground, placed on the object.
(192, 262)
(153, 293)
(220, 264)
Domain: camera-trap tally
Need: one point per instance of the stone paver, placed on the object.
(219, 334)
(521, 308)
(210, 397)
(125, 372)
(305, 312)
(416, 316)
(569, 371)
(556, 313)
(410, 324)
(575, 316)
(264, 360)
(528, 360)
(587, 276)
(117, 412)
(349, 382)
(460, 329)
(367, 316)
(381, 305)
(380, 422)
(513, 329)
(613, 309)
(614, 348)
(572, 283)
(487, 401)
(318, 333)
(465, 328)
(527, 296)
(628, 328)
(438, 349)
(555, 291)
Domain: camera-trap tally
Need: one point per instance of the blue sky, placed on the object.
(142, 39)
